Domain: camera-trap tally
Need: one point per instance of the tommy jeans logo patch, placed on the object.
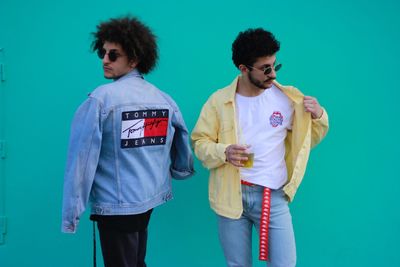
(144, 128)
(276, 119)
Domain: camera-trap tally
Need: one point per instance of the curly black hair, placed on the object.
(137, 40)
(252, 44)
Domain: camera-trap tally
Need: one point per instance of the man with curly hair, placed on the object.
(127, 140)
(255, 137)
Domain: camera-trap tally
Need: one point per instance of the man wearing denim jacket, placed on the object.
(127, 140)
(276, 126)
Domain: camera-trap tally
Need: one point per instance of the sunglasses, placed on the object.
(268, 69)
(113, 55)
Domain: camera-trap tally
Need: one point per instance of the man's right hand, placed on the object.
(235, 154)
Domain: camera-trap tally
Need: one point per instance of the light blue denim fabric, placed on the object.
(123, 180)
(236, 235)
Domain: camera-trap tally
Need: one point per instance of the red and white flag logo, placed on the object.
(144, 128)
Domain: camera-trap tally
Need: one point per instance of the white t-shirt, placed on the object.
(263, 123)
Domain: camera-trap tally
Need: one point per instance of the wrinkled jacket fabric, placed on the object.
(127, 140)
(216, 129)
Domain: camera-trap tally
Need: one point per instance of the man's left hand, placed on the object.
(311, 105)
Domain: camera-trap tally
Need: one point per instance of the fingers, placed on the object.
(311, 105)
(235, 154)
(310, 102)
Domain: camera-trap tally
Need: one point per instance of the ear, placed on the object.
(133, 63)
(243, 68)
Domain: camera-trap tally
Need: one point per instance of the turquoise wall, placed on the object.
(344, 52)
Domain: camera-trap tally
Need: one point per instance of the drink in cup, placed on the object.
(250, 160)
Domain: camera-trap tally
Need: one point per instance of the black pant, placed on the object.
(122, 248)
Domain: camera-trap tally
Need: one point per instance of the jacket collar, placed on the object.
(291, 92)
(132, 73)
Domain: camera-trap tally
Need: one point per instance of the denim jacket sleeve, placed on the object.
(181, 153)
(83, 156)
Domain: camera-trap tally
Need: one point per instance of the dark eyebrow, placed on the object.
(267, 65)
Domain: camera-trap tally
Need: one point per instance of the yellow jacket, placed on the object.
(216, 129)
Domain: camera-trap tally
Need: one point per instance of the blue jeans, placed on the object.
(235, 234)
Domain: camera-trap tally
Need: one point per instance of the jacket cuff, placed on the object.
(181, 174)
(323, 117)
(221, 151)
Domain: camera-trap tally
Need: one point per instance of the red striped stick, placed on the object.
(264, 224)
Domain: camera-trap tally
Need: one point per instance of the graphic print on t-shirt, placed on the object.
(144, 128)
(276, 119)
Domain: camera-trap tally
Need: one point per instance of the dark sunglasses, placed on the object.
(113, 55)
(267, 70)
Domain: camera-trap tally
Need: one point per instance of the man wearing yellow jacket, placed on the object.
(255, 137)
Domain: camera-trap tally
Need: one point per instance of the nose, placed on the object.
(106, 59)
(272, 74)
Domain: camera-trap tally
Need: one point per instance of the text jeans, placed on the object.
(235, 234)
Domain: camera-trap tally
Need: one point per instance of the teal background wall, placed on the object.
(346, 53)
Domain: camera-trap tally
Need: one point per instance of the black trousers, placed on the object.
(122, 248)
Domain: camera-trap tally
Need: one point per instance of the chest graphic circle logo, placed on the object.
(276, 119)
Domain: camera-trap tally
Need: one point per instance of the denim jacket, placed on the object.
(127, 140)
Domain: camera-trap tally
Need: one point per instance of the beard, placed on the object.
(258, 83)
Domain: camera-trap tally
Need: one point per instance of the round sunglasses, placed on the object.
(113, 55)
(268, 69)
